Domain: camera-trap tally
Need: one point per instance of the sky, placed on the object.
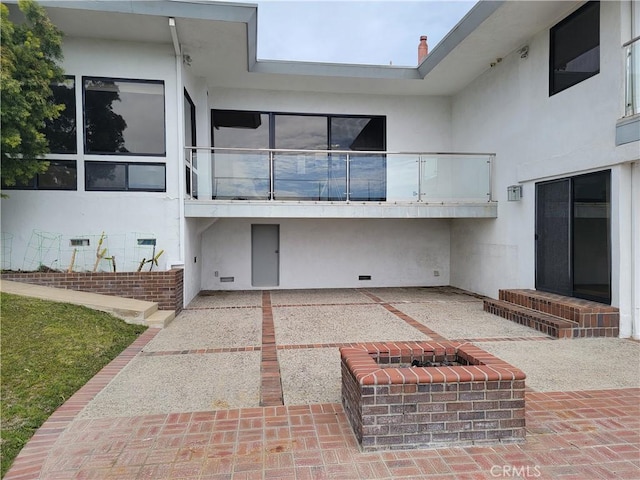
(374, 32)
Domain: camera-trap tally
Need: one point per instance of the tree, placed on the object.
(29, 54)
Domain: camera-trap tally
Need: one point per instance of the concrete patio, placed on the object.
(246, 385)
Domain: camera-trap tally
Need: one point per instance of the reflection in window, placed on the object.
(61, 132)
(114, 176)
(358, 133)
(299, 175)
(236, 129)
(301, 132)
(575, 48)
(124, 116)
(61, 175)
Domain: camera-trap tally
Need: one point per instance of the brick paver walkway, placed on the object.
(570, 435)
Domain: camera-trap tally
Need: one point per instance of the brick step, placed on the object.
(586, 313)
(548, 324)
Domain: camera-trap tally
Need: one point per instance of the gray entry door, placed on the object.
(265, 255)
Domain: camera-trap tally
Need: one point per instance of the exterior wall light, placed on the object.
(514, 193)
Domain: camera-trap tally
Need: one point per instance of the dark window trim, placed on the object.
(126, 177)
(192, 114)
(569, 18)
(34, 183)
(271, 115)
(130, 80)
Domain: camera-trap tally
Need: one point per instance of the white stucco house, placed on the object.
(509, 158)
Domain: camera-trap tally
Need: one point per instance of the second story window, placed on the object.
(124, 116)
(575, 48)
(61, 132)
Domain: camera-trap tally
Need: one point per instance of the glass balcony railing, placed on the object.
(632, 84)
(336, 176)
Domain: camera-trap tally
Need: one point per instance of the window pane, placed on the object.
(301, 132)
(61, 175)
(309, 176)
(61, 132)
(146, 177)
(124, 117)
(575, 48)
(189, 121)
(105, 176)
(368, 178)
(241, 176)
(352, 133)
(236, 129)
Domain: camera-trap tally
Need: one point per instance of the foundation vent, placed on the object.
(364, 277)
(79, 242)
(227, 279)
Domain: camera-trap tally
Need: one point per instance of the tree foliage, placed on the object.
(29, 56)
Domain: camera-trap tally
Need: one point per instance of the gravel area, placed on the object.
(180, 383)
(458, 320)
(420, 294)
(240, 298)
(310, 376)
(577, 364)
(318, 297)
(197, 329)
(340, 324)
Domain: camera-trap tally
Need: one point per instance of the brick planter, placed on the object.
(400, 407)
(163, 287)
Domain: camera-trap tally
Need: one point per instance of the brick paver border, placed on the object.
(28, 464)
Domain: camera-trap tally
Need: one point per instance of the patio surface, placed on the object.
(184, 402)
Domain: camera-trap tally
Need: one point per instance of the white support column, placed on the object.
(635, 249)
(621, 251)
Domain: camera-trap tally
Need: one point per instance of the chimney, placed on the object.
(423, 49)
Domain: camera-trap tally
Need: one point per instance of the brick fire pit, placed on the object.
(391, 405)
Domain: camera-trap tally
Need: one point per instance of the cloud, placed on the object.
(372, 32)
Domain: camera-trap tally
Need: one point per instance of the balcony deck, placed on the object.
(290, 209)
(270, 183)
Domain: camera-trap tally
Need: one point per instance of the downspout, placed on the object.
(180, 139)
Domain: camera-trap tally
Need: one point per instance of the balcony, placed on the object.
(628, 127)
(231, 182)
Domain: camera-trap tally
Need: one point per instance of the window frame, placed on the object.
(74, 151)
(34, 183)
(126, 188)
(129, 80)
(272, 128)
(583, 10)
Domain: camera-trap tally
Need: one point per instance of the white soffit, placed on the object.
(221, 40)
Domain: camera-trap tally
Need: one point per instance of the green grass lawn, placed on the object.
(49, 350)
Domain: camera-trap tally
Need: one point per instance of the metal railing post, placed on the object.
(419, 178)
(271, 177)
(348, 185)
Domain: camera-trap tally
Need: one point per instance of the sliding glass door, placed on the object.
(573, 236)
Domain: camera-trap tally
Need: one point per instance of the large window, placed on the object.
(61, 132)
(61, 175)
(298, 175)
(122, 176)
(575, 48)
(240, 129)
(124, 116)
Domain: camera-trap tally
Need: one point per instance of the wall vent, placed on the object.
(364, 277)
(79, 242)
(227, 279)
(146, 241)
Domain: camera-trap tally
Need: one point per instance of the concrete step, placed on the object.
(548, 324)
(130, 310)
(161, 318)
